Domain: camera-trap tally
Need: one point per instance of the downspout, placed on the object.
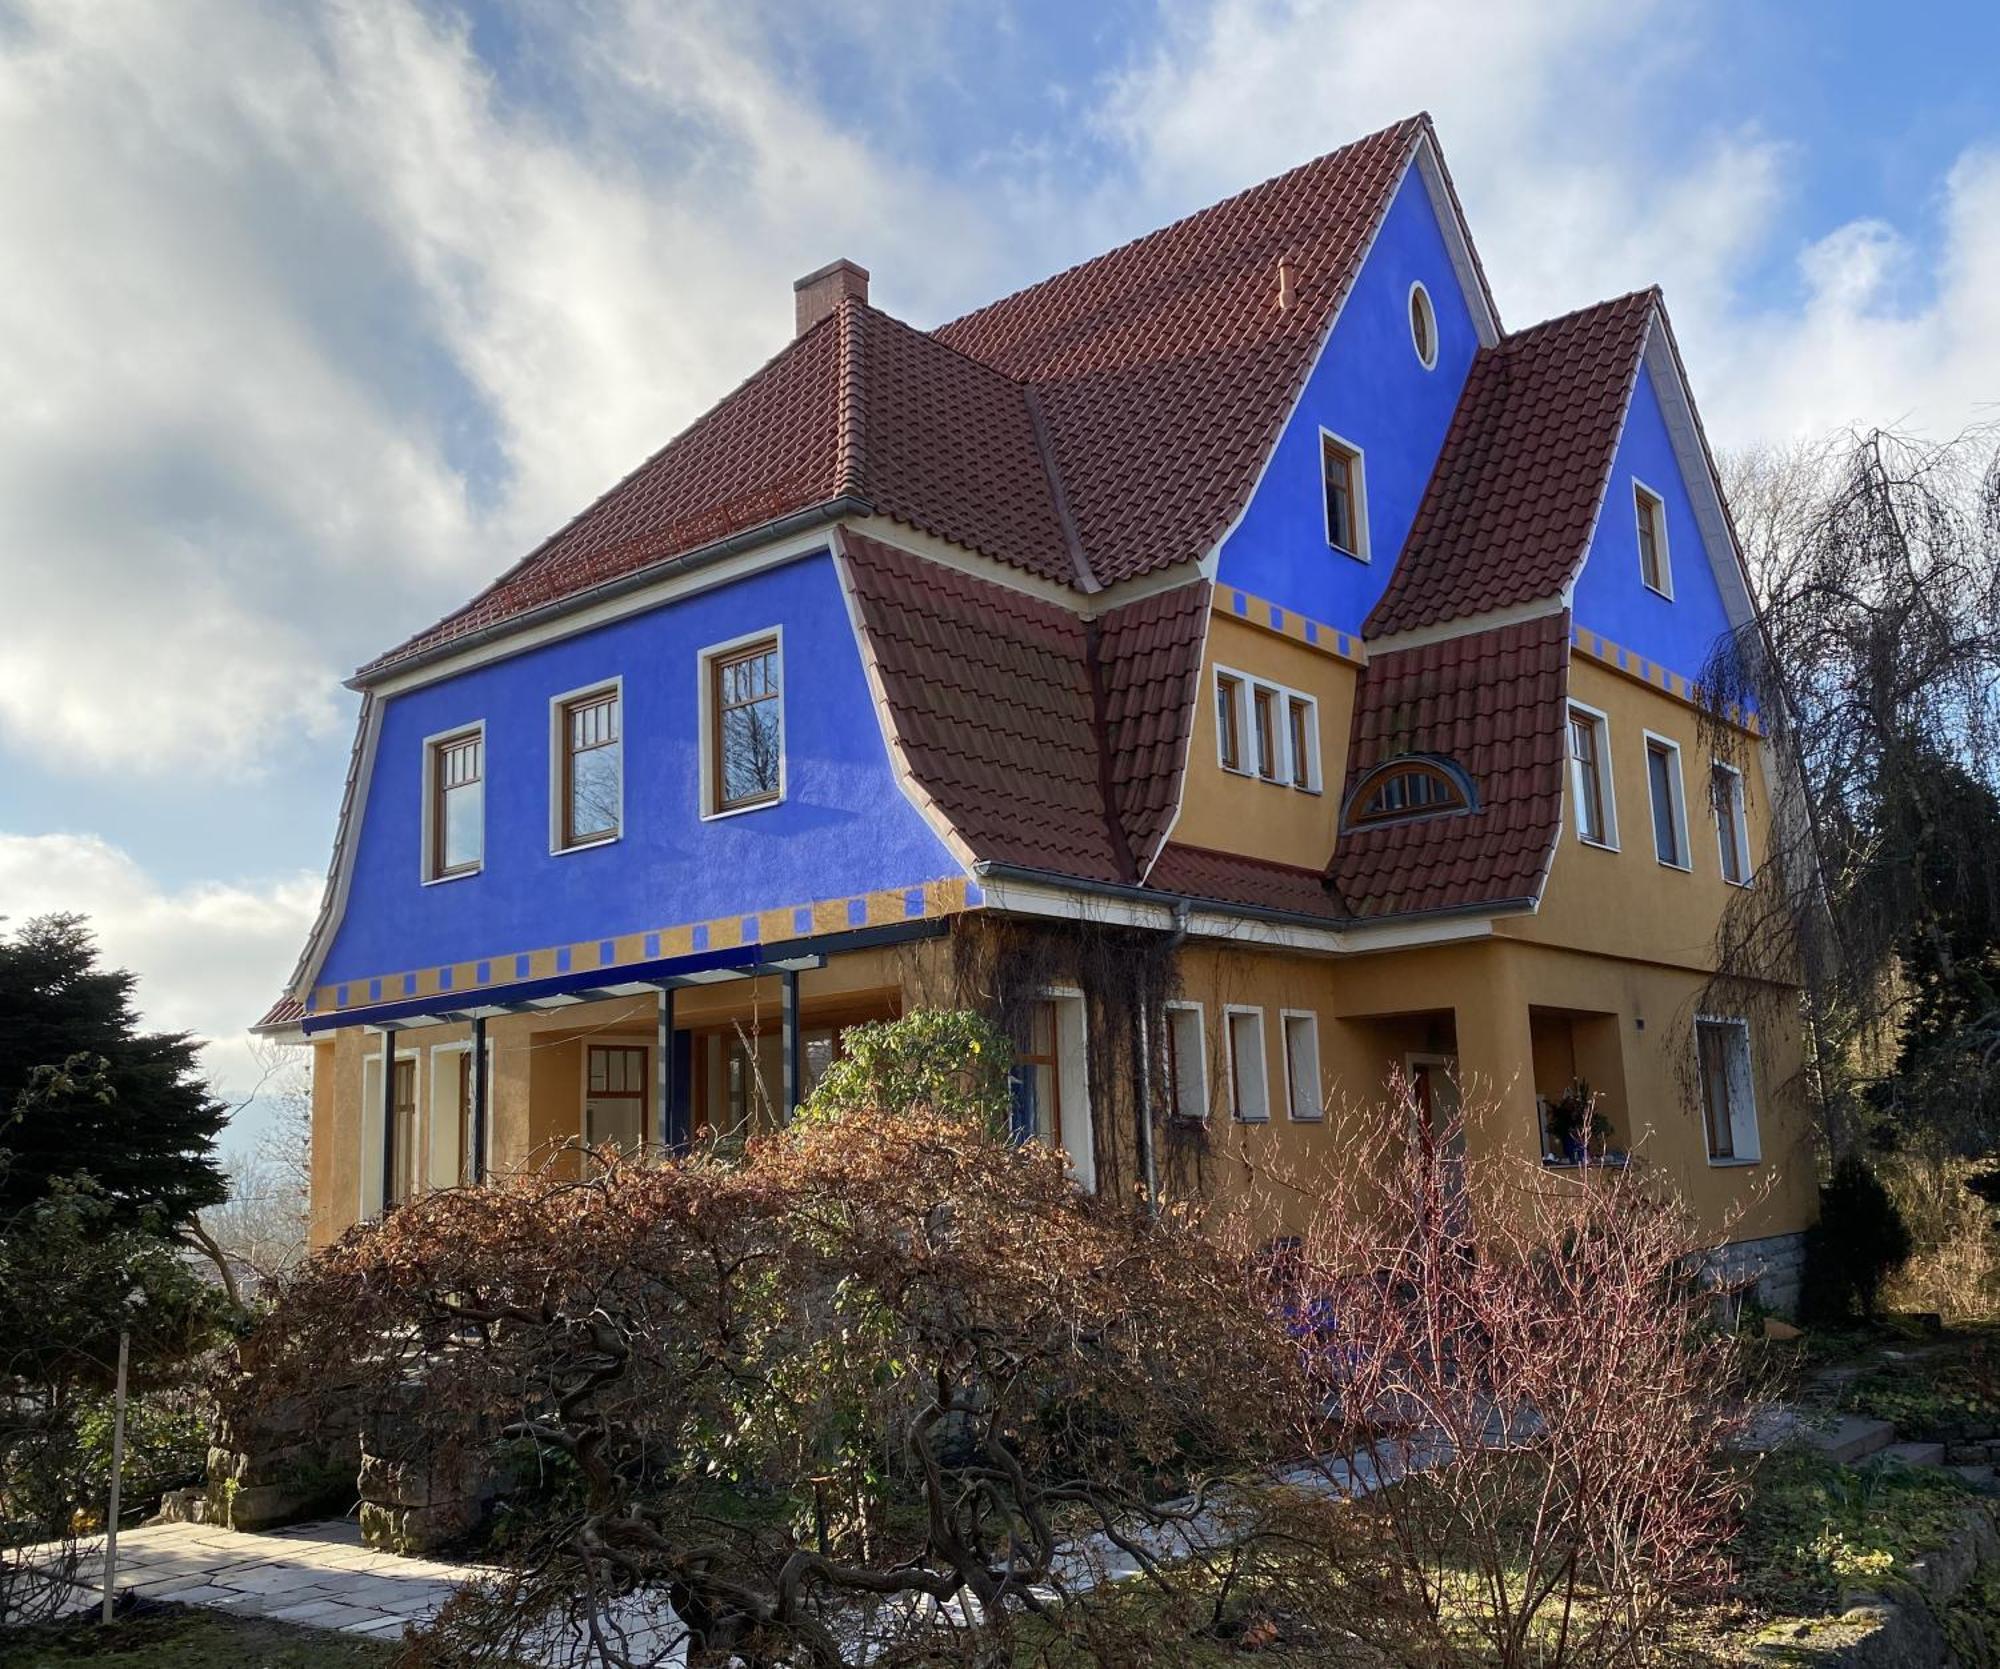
(1147, 1160)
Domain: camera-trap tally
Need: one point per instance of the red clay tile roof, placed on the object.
(1510, 506)
(1232, 878)
(991, 701)
(1107, 422)
(1166, 368)
(1493, 701)
(286, 1011)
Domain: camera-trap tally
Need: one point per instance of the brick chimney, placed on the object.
(818, 293)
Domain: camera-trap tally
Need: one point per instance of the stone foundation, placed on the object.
(1774, 1264)
(418, 1506)
(279, 1465)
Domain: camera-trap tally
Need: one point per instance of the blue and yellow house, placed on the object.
(1238, 662)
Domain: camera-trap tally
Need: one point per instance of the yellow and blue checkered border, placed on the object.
(1631, 664)
(1288, 623)
(921, 901)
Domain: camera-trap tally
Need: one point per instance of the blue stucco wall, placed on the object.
(843, 828)
(1371, 389)
(1611, 598)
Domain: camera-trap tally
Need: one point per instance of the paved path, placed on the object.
(318, 1574)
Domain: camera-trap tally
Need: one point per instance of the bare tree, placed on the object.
(260, 1230)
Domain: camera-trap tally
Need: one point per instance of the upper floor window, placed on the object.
(1663, 782)
(1266, 730)
(1731, 831)
(746, 735)
(590, 784)
(1423, 326)
(455, 769)
(1590, 777)
(1410, 786)
(1651, 512)
(1346, 496)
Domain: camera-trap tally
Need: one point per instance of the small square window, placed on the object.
(1249, 1085)
(1590, 778)
(1346, 496)
(456, 767)
(1651, 512)
(746, 740)
(1303, 1099)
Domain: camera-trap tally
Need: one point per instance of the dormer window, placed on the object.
(1651, 512)
(1411, 786)
(1423, 326)
(1346, 496)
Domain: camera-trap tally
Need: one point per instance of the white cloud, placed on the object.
(209, 957)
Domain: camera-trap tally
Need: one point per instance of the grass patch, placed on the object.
(188, 1637)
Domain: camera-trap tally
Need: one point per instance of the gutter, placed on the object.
(702, 556)
(1182, 903)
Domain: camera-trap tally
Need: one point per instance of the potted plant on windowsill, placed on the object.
(1577, 1130)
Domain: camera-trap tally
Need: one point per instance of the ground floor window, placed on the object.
(1187, 1064)
(1037, 1083)
(1728, 1098)
(614, 1104)
(1249, 1080)
(408, 1176)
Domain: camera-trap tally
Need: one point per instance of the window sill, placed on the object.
(1352, 556)
(1607, 1162)
(586, 845)
(1250, 1118)
(1658, 591)
(1733, 1164)
(455, 875)
(1677, 868)
(1306, 1118)
(1597, 845)
(771, 804)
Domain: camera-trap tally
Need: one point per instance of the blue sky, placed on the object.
(315, 317)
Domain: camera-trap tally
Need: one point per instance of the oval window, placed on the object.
(1423, 326)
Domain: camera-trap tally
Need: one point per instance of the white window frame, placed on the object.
(1073, 1065)
(1740, 809)
(1677, 788)
(1231, 1012)
(1601, 720)
(1742, 1108)
(1282, 695)
(427, 851)
(1658, 501)
(375, 1062)
(1199, 1079)
(441, 1054)
(559, 756)
(1365, 553)
(1418, 288)
(705, 660)
(1315, 1111)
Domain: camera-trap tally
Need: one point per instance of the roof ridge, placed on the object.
(850, 442)
(1415, 125)
(1045, 445)
(1648, 292)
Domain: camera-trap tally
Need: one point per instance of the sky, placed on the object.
(314, 317)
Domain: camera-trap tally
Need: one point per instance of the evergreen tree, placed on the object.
(83, 1090)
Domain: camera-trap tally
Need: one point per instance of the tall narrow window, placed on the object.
(1037, 1083)
(614, 1097)
(1722, 1049)
(405, 1138)
(458, 804)
(1651, 512)
(1264, 725)
(465, 1155)
(1663, 779)
(1229, 721)
(1589, 778)
(748, 741)
(592, 785)
(1346, 507)
(1302, 1092)
(1249, 1086)
(1731, 834)
(1187, 1070)
(1300, 731)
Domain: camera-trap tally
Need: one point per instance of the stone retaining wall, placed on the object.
(1775, 1263)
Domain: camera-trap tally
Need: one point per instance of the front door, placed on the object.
(1435, 1097)
(614, 1103)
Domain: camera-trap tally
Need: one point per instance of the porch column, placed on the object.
(789, 1010)
(388, 1118)
(663, 1071)
(477, 1118)
(1496, 1058)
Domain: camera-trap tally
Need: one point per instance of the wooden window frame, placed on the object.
(1053, 1060)
(713, 662)
(1732, 836)
(562, 764)
(1315, 1110)
(1363, 815)
(1352, 465)
(1229, 691)
(1264, 732)
(436, 749)
(1658, 746)
(1231, 1013)
(1649, 515)
(1598, 723)
(643, 1095)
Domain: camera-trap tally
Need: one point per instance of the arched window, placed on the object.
(1410, 786)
